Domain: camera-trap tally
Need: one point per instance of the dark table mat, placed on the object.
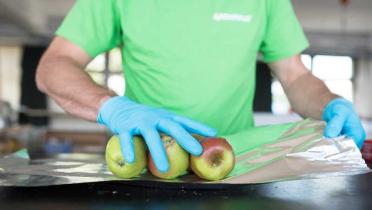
(347, 192)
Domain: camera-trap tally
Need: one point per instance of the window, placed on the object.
(307, 60)
(115, 64)
(10, 74)
(106, 70)
(280, 104)
(116, 83)
(335, 71)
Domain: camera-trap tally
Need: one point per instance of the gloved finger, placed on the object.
(127, 147)
(156, 148)
(356, 136)
(194, 127)
(183, 138)
(356, 132)
(334, 126)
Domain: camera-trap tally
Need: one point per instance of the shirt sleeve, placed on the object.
(284, 36)
(92, 25)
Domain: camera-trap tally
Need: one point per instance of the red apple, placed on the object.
(216, 161)
(178, 160)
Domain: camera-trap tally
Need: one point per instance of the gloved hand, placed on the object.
(127, 118)
(342, 119)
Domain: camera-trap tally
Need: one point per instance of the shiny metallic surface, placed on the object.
(300, 153)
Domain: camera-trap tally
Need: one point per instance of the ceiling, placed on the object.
(334, 29)
(35, 19)
(327, 15)
(330, 27)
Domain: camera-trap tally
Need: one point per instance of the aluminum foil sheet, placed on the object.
(300, 152)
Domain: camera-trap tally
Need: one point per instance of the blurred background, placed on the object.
(340, 33)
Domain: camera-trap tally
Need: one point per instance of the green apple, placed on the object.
(216, 161)
(178, 160)
(116, 163)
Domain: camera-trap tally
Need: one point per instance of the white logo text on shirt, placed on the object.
(231, 17)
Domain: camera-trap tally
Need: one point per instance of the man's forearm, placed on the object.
(70, 86)
(309, 95)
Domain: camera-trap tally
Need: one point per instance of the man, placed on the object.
(188, 65)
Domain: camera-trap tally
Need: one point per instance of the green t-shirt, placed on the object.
(195, 58)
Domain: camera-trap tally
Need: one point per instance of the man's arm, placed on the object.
(307, 94)
(310, 97)
(61, 75)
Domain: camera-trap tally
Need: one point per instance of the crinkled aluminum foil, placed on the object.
(301, 152)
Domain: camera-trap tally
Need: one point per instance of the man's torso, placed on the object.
(196, 58)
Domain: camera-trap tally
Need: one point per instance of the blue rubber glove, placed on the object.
(127, 118)
(342, 119)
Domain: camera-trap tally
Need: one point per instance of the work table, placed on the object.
(343, 192)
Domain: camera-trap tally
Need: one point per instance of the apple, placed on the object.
(116, 163)
(178, 160)
(216, 161)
